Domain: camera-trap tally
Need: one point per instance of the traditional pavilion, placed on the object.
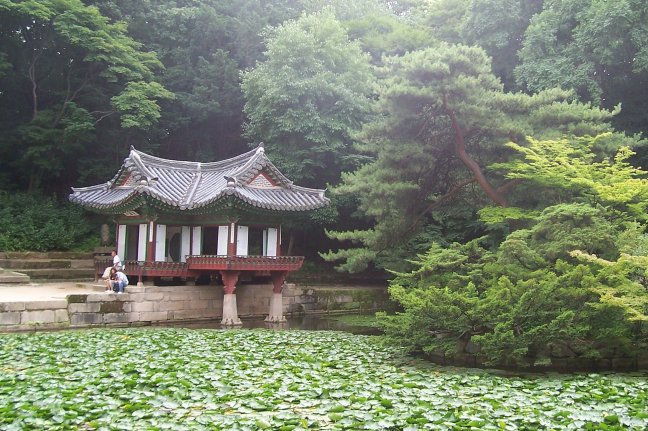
(187, 219)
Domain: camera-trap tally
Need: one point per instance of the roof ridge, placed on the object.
(134, 156)
(206, 166)
(250, 165)
(197, 177)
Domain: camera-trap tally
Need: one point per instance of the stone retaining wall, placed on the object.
(156, 304)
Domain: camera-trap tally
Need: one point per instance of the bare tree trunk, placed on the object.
(460, 148)
(34, 181)
(291, 243)
(32, 77)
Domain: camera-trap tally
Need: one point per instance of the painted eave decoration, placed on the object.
(195, 187)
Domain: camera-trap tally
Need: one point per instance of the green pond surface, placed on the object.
(363, 324)
(254, 379)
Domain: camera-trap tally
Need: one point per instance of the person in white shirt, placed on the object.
(118, 281)
(117, 263)
(106, 276)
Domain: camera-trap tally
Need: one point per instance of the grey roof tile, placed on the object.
(192, 185)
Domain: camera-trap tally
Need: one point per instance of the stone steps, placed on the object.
(52, 274)
(11, 277)
(45, 255)
(51, 266)
(46, 263)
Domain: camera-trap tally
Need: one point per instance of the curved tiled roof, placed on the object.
(188, 186)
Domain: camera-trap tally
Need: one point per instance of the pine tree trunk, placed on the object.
(460, 148)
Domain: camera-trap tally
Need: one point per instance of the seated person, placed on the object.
(106, 278)
(117, 264)
(118, 281)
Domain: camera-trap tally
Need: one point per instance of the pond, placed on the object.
(360, 324)
(256, 379)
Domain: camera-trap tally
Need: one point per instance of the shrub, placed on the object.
(38, 223)
(533, 298)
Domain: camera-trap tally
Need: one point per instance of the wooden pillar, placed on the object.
(231, 241)
(276, 302)
(230, 311)
(150, 251)
(150, 246)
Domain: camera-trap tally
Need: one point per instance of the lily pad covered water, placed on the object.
(182, 379)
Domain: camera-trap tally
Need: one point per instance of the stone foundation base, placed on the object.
(146, 305)
(230, 312)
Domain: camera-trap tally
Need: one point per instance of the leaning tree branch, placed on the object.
(508, 185)
(460, 149)
(103, 114)
(453, 191)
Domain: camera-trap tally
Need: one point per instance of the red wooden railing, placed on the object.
(245, 263)
(199, 263)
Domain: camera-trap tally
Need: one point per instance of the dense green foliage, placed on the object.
(446, 119)
(41, 224)
(179, 379)
(438, 126)
(572, 283)
(308, 97)
(68, 68)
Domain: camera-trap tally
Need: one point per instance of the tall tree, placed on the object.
(204, 45)
(308, 96)
(497, 26)
(599, 49)
(71, 68)
(571, 280)
(445, 119)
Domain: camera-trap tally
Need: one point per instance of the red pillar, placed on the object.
(278, 278)
(229, 280)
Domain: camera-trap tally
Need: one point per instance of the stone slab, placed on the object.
(10, 318)
(187, 314)
(91, 307)
(101, 297)
(86, 319)
(12, 306)
(46, 305)
(12, 277)
(153, 316)
(196, 305)
(111, 307)
(140, 306)
(211, 294)
(120, 317)
(181, 296)
(61, 316)
(38, 317)
(171, 305)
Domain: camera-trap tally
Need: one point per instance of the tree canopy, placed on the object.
(72, 68)
(308, 97)
(488, 156)
(446, 120)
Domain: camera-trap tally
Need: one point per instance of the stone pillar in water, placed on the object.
(276, 302)
(230, 311)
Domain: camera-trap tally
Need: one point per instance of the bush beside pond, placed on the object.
(38, 223)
